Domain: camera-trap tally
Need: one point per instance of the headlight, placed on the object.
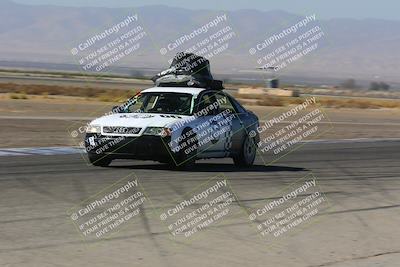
(158, 131)
(93, 129)
(154, 131)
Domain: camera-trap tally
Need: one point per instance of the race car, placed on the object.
(175, 125)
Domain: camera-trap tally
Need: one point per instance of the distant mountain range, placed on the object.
(365, 49)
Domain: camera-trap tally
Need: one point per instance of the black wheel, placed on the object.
(99, 160)
(188, 151)
(247, 154)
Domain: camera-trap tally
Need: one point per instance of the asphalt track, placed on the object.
(361, 227)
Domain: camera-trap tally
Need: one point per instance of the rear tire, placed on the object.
(247, 154)
(99, 160)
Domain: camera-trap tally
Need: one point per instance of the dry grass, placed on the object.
(21, 91)
(106, 95)
(18, 96)
(359, 103)
(329, 102)
(278, 101)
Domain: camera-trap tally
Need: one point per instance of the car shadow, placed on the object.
(213, 167)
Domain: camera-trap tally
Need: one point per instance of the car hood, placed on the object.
(141, 120)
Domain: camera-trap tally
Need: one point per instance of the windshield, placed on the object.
(160, 102)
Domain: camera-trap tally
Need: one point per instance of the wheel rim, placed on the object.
(249, 150)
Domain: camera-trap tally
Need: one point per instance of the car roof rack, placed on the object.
(188, 70)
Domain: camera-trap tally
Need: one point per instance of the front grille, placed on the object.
(121, 130)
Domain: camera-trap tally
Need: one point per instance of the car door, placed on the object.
(207, 126)
(234, 135)
(223, 125)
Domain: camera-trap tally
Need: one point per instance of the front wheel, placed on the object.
(99, 160)
(188, 152)
(247, 154)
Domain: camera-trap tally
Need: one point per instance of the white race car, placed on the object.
(175, 125)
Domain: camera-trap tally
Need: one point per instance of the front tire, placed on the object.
(99, 160)
(187, 160)
(247, 154)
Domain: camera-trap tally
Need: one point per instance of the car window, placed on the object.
(167, 103)
(136, 104)
(205, 101)
(239, 108)
(151, 102)
(225, 103)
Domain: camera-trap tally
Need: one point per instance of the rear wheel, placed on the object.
(247, 154)
(99, 160)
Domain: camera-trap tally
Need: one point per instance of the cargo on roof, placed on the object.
(188, 70)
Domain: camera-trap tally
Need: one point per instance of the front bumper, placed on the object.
(119, 147)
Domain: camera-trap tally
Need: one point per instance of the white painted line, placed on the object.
(32, 151)
(354, 140)
(349, 123)
(9, 153)
(62, 118)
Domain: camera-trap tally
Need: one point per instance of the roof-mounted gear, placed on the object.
(188, 70)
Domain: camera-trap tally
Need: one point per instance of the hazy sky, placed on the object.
(385, 9)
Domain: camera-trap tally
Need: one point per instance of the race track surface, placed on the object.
(360, 228)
